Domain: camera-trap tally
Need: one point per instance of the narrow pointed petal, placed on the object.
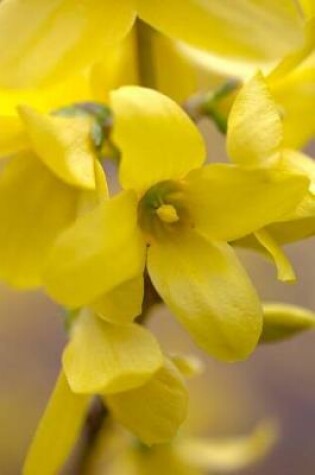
(102, 250)
(229, 202)
(34, 208)
(284, 267)
(156, 138)
(283, 321)
(106, 358)
(58, 430)
(229, 455)
(241, 31)
(64, 144)
(255, 130)
(122, 304)
(154, 411)
(42, 41)
(209, 292)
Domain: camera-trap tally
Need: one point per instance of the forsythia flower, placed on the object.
(153, 423)
(175, 216)
(40, 39)
(43, 186)
(255, 139)
(192, 456)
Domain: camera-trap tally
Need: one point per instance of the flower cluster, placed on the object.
(72, 100)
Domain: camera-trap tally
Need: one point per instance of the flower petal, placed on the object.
(283, 321)
(99, 252)
(122, 304)
(157, 139)
(285, 270)
(58, 430)
(34, 208)
(239, 31)
(106, 358)
(255, 130)
(64, 144)
(228, 202)
(210, 293)
(154, 411)
(295, 94)
(13, 137)
(48, 40)
(229, 455)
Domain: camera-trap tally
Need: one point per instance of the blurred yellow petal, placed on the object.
(57, 432)
(34, 208)
(154, 411)
(284, 267)
(309, 7)
(295, 95)
(64, 144)
(228, 202)
(188, 365)
(123, 303)
(209, 292)
(118, 67)
(292, 231)
(283, 321)
(106, 358)
(42, 40)
(157, 139)
(229, 455)
(256, 32)
(255, 130)
(13, 137)
(99, 252)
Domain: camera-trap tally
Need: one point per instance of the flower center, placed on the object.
(162, 209)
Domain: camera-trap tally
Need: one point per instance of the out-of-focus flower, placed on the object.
(187, 455)
(41, 40)
(43, 187)
(177, 217)
(153, 423)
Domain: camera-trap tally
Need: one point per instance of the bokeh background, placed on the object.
(277, 381)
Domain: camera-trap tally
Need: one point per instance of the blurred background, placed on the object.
(277, 381)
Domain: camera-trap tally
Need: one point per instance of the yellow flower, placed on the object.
(40, 39)
(43, 186)
(176, 217)
(153, 423)
(256, 140)
(194, 456)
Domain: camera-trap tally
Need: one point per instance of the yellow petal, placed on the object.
(208, 290)
(228, 202)
(296, 97)
(64, 144)
(154, 411)
(58, 431)
(47, 40)
(106, 358)
(34, 208)
(13, 137)
(231, 454)
(285, 270)
(283, 321)
(123, 303)
(255, 130)
(239, 31)
(99, 252)
(309, 7)
(292, 231)
(156, 138)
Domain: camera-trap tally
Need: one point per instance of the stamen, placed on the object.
(167, 214)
